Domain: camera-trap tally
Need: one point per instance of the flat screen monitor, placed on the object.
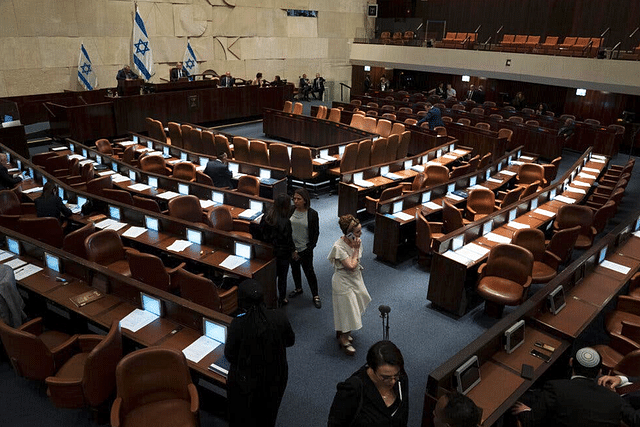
(425, 159)
(519, 153)
(13, 245)
(510, 159)
(358, 176)
(135, 139)
(255, 205)
(451, 188)
(426, 196)
(84, 153)
(150, 145)
(203, 161)
(552, 194)
(81, 201)
(215, 331)
(397, 207)
(487, 227)
(183, 189)
(151, 223)
(602, 255)
(132, 175)
(468, 375)
(19, 163)
(452, 147)
(114, 166)
(99, 159)
(44, 180)
(265, 173)
(324, 153)
(514, 337)
(408, 164)
(556, 300)
(153, 182)
(534, 204)
(289, 149)
(513, 213)
(165, 151)
(61, 193)
(114, 212)
(194, 236)
(637, 225)
(52, 262)
(487, 174)
(243, 250)
(151, 304)
(457, 242)
(234, 168)
(341, 149)
(499, 166)
(384, 170)
(217, 197)
(472, 181)
(183, 157)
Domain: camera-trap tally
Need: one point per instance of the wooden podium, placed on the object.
(129, 87)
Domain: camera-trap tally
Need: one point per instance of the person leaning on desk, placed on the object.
(126, 74)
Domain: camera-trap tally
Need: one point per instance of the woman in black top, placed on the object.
(276, 230)
(306, 229)
(50, 204)
(377, 395)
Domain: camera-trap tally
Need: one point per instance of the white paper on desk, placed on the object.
(586, 169)
(137, 320)
(581, 184)
(457, 257)
(516, 162)
(526, 158)
(576, 190)
(615, 267)
(32, 190)
(478, 187)
(432, 206)
(85, 162)
(127, 143)
(586, 175)
(248, 213)
(134, 232)
(636, 233)
(328, 158)
(139, 187)
(204, 204)
(232, 261)
(15, 263)
(506, 172)
(168, 195)
(454, 197)
(460, 152)
(450, 156)
(497, 238)
(402, 216)
(200, 348)
(107, 172)
(321, 160)
(417, 168)
(200, 168)
(173, 161)
(179, 245)
(544, 212)
(517, 225)
(497, 181)
(465, 252)
(116, 177)
(593, 159)
(363, 183)
(5, 255)
(475, 248)
(392, 175)
(144, 149)
(105, 223)
(26, 271)
(564, 199)
(76, 156)
(13, 170)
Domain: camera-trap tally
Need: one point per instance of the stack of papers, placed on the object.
(450, 156)
(586, 175)
(321, 160)
(168, 195)
(592, 170)
(139, 187)
(26, 271)
(392, 175)
(204, 204)
(596, 160)
(517, 162)
(493, 237)
(477, 187)
(472, 251)
(564, 199)
(179, 245)
(363, 183)
(15, 263)
(5, 255)
(134, 232)
(232, 261)
(517, 225)
(460, 152)
(127, 143)
(137, 320)
(328, 158)
(528, 158)
(107, 172)
(581, 184)
(576, 190)
(417, 168)
(74, 208)
(116, 177)
(198, 349)
(433, 206)
(76, 156)
(110, 224)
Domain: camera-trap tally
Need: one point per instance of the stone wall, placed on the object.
(40, 39)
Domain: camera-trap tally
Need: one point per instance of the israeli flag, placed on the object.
(142, 55)
(86, 75)
(189, 62)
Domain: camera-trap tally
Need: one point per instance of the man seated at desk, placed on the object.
(227, 80)
(219, 172)
(178, 73)
(7, 181)
(126, 74)
(433, 117)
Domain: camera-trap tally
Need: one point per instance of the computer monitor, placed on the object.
(61, 193)
(324, 153)
(341, 149)
(358, 176)
(13, 245)
(52, 262)
(243, 250)
(183, 157)
(194, 236)
(487, 227)
(384, 170)
(203, 161)
(468, 375)
(602, 255)
(84, 153)
(487, 174)
(234, 168)
(439, 153)
(451, 188)
(153, 182)
(81, 201)
(499, 166)
(19, 164)
(132, 175)
(534, 204)
(44, 180)
(98, 159)
(217, 197)
(472, 181)
(150, 145)
(114, 212)
(215, 331)
(457, 242)
(265, 173)
(514, 337)
(408, 164)
(151, 304)
(397, 207)
(151, 223)
(165, 151)
(183, 189)
(135, 139)
(552, 194)
(513, 213)
(255, 205)
(426, 196)
(556, 300)
(637, 224)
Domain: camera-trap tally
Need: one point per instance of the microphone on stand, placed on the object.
(384, 310)
(384, 313)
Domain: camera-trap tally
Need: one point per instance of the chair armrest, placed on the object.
(501, 195)
(481, 269)
(631, 331)
(241, 225)
(551, 259)
(471, 213)
(33, 326)
(28, 208)
(64, 351)
(435, 227)
(628, 304)
(195, 400)
(74, 179)
(622, 344)
(594, 232)
(89, 342)
(115, 412)
(170, 271)
(634, 283)
(54, 382)
(127, 251)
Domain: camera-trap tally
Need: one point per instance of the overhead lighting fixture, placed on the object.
(465, 78)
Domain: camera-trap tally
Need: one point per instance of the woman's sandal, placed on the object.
(294, 293)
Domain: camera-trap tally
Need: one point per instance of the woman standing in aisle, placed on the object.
(306, 229)
(350, 296)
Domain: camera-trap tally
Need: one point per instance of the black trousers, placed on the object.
(282, 270)
(306, 261)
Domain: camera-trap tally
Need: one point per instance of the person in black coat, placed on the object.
(454, 409)
(178, 73)
(219, 172)
(433, 117)
(633, 397)
(7, 181)
(227, 80)
(376, 395)
(256, 349)
(318, 87)
(306, 229)
(50, 204)
(126, 74)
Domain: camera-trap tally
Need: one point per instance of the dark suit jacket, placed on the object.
(6, 180)
(219, 173)
(123, 75)
(227, 81)
(51, 206)
(174, 74)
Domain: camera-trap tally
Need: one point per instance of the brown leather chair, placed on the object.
(403, 148)
(175, 134)
(241, 149)
(221, 219)
(105, 248)
(505, 133)
(40, 158)
(248, 184)
(121, 196)
(34, 353)
(364, 154)
(436, 174)
(391, 153)
(88, 378)
(302, 164)
(258, 153)
(474, 162)
(516, 119)
(369, 124)
(348, 160)
(372, 105)
(156, 131)
(480, 203)
(550, 172)
(196, 140)
(458, 171)
(188, 208)
(452, 218)
(545, 263)
(149, 269)
(371, 204)
(57, 165)
(425, 233)
(10, 204)
(496, 116)
(482, 125)
(634, 289)
(410, 121)
(334, 115)
(279, 157)
(625, 318)
(484, 160)
(155, 390)
(618, 351)
(155, 164)
(383, 128)
(146, 204)
(202, 178)
(322, 112)
(97, 185)
(440, 130)
(297, 108)
(187, 137)
(388, 116)
(222, 146)
(74, 241)
(209, 144)
(128, 157)
(45, 229)
(572, 215)
(288, 106)
(185, 171)
(529, 189)
(202, 291)
(602, 215)
(530, 172)
(378, 151)
(562, 243)
(505, 278)
(532, 123)
(464, 121)
(104, 147)
(506, 198)
(458, 107)
(415, 185)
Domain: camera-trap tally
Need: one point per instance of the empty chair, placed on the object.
(258, 153)
(302, 164)
(572, 215)
(509, 108)
(348, 160)
(88, 378)
(621, 354)
(196, 140)
(175, 134)
(393, 142)
(378, 151)
(356, 102)
(505, 278)
(550, 172)
(477, 110)
(530, 172)
(185, 171)
(105, 248)
(516, 119)
(155, 164)
(202, 178)
(529, 189)
(154, 389)
(364, 154)
(241, 149)
(369, 124)
(297, 108)
(592, 121)
(59, 165)
(567, 116)
(457, 107)
(128, 157)
(248, 184)
(202, 291)
(482, 125)
(627, 311)
(334, 115)
(222, 146)
(496, 116)
(357, 121)
(149, 269)
(528, 111)
(410, 121)
(73, 242)
(397, 129)
(221, 219)
(121, 196)
(452, 218)
(480, 203)
(146, 204)
(187, 142)
(96, 185)
(322, 112)
(602, 215)
(371, 203)
(288, 106)
(40, 158)
(416, 184)
(188, 208)
(474, 162)
(156, 130)
(10, 204)
(436, 174)
(458, 171)
(447, 119)
(34, 353)
(545, 263)
(505, 133)
(383, 128)
(372, 113)
(372, 105)
(440, 130)
(403, 148)
(532, 123)
(279, 157)
(104, 147)
(209, 144)
(405, 110)
(464, 121)
(509, 197)
(425, 233)
(45, 229)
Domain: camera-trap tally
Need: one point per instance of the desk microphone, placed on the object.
(384, 310)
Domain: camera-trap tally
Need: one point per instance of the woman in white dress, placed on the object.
(350, 296)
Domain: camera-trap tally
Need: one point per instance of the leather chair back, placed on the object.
(505, 133)
(74, 241)
(196, 140)
(146, 204)
(149, 269)
(349, 158)
(383, 128)
(334, 115)
(9, 203)
(364, 154)
(485, 160)
(474, 162)
(29, 356)
(423, 233)
(530, 189)
(156, 130)
(393, 142)
(40, 158)
(563, 241)
(357, 121)
(403, 148)
(322, 112)
(297, 108)
(197, 289)
(510, 262)
(388, 116)
(451, 217)
(187, 208)
(128, 156)
(572, 215)
(46, 229)
(419, 181)
(279, 157)
(221, 218)
(209, 144)
(460, 170)
(96, 185)
(241, 149)
(512, 196)
(288, 106)
(603, 215)
(301, 163)
(187, 143)
(185, 171)
(154, 164)
(104, 247)
(258, 153)
(531, 239)
(550, 172)
(378, 151)
(516, 119)
(202, 178)
(248, 184)
(99, 379)
(104, 147)
(464, 121)
(440, 130)
(481, 201)
(530, 172)
(477, 110)
(121, 196)
(222, 146)
(532, 123)
(482, 125)
(397, 128)
(630, 364)
(175, 133)
(369, 124)
(57, 165)
(436, 174)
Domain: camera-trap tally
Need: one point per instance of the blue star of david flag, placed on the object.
(142, 55)
(86, 74)
(189, 62)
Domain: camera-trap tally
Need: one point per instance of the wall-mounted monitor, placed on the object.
(534, 204)
(556, 300)
(514, 337)
(52, 262)
(151, 304)
(468, 375)
(368, 67)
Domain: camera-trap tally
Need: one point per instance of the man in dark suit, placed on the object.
(304, 87)
(7, 181)
(178, 73)
(219, 172)
(227, 80)
(318, 87)
(616, 381)
(126, 74)
(578, 401)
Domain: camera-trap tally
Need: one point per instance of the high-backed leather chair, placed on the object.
(378, 151)
(74, 241)
(202, 178)
(572, 215)
(334, 115)
(496, 116)
(464, 121)
(364, 154)
(602, 215)
(187, 142)
(258, 153)
(279, 157)
(505, 133)
(634, 288)
(149, 269)
(128, 157)
(545, 263)
(322, 112)
(175, 133)
(483, 125)
(562, 243)
(121, 196)
(452, 218)
(222, 145)
(105, 248)
(154, 389)
(388, 116)
(202, 291)
(146, 204)
(10, 204)
(209, 144)
(302, 164)
(425, 233)
(58, 165)
(241, 149)
(348, 160)
(410, 121)
(288, 106)
(484, 160)
(480, 203)
(248, 184)
(196, 140)
(616, 354)
(97, 185)
(88, 378)
(457, 107)
(104, 147)
(529, 189)
(357, 121)
(40, 158)
(154, 164)
(34, 353)
(458, 171)
(188, 208)
(516, 119)
(185, 171)
(221, 219)
(403, 148)
(391, 153)
(383, 128)
(436, 174)
(627, 313)
(297, 108)
(371, 203)
(416, 184)
(369, 124)
(532, 123)
(530, 172)
(506, 198)
(156, 131)
(45, 229)
(505, 278)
